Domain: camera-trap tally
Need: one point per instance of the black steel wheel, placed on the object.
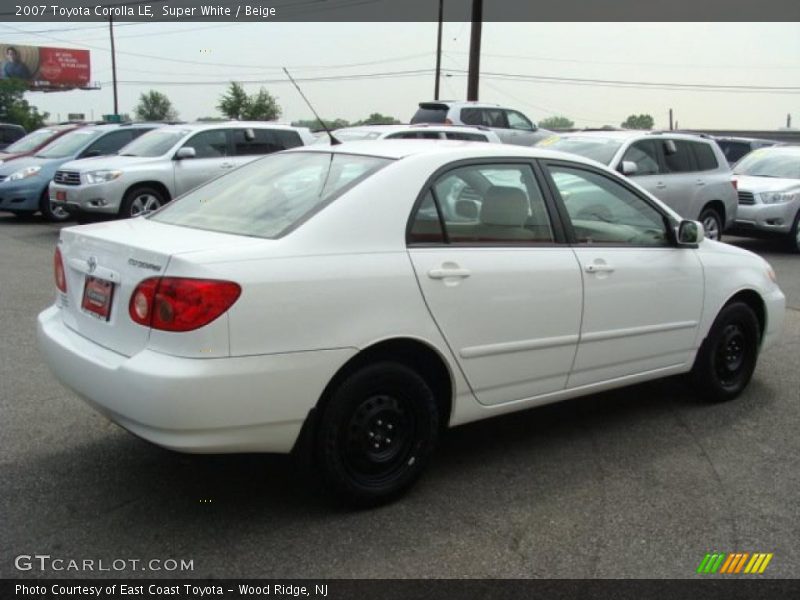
(377, 432)
(727, 358)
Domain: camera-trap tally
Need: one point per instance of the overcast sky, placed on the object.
(752, 54)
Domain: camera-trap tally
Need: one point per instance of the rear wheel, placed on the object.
(712, 224)
(52, 211)
(377, 433)
(141, 201)
(727, 358)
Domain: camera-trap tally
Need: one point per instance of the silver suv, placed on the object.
(164, 164)
(689, 173)
(511, 126)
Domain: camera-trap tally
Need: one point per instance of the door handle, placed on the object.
(599, 268)
(661, 185)
(448, 272)
(700, 182)
(227, 166)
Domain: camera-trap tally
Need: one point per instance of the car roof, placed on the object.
(629, 134)
(458, 104)
(226, 124)
(398, 149)
(415, 127)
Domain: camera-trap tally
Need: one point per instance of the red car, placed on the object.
(35, 141)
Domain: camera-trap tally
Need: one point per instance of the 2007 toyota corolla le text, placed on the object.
(371, 294)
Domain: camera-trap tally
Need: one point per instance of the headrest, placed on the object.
(504, 205)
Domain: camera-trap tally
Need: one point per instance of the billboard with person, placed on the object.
(45, 68)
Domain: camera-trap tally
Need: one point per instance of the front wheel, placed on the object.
(141, 201)
(377, 433)
(52, 211)
(712, 224)
(727, 358)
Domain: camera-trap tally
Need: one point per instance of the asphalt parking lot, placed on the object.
(638, 483)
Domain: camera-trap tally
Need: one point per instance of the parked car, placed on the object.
(10, 133)
(511, 126)
(164, 164)
(769, 194)
(324, 300)
(24, 181)
(734, 148)
(35, 141)
(420, 131)
(687, 172)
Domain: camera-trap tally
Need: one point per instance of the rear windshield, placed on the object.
(430, 114)
(69, 144)
(154, 143)
(268, 197)
(31, 141)
(770, 163)
(597, 148)
(355, 135)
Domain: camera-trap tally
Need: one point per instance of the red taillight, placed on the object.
(448, 121)
(735, 183)
(58, 272)
(181, 304)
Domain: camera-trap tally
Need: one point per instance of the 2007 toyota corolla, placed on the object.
(371, 294)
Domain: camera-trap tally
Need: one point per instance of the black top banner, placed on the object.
(400, 10)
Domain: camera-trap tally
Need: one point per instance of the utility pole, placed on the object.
(670, 119)
(113, 62)
(439, 51)
(475, 50)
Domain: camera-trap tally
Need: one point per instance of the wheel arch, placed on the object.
(149, 183)
(754, 300)
(718, 206)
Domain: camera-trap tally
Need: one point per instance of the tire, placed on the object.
(51, 212)
(712, 224)
(727, 358)
(794, 235)
(140, 201)
(376, 433)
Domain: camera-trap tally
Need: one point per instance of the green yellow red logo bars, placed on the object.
(734, 563)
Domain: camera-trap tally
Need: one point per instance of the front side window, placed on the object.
(645, 155)
(484, 204)
(678, 156)
(250, 141)
(209, 144)
(603, 211)
(517, 120)
(268, 197)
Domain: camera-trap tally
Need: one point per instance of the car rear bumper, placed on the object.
(242, 404)
(775, 218)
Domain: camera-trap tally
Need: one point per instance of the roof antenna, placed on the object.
(334, 141)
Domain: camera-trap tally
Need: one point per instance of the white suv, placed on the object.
(164, 164)
(511, 126)
(688, 173)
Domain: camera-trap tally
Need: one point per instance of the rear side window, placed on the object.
(466, 137)
(488, 117)
(472, 116)
(681, 160)
(430, 114)
(263, 141)
(704, 156)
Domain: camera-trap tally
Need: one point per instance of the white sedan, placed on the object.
(355, 300)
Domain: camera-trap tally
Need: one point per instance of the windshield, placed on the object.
(31, 141)
(154, 143)
(69, 144)
(267, 197)
(354, 135)
(770, 163)
(597, 148)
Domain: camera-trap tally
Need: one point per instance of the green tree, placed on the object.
(638, 122)
(236, 104)
(557, 122)
(378, 119)
(15, 109)
(155, 106)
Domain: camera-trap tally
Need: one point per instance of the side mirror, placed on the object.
(467, 209)
(249, 135)
(534, 126)
(185, 152)
(670, 147)
(628, 167)
(690, 233)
